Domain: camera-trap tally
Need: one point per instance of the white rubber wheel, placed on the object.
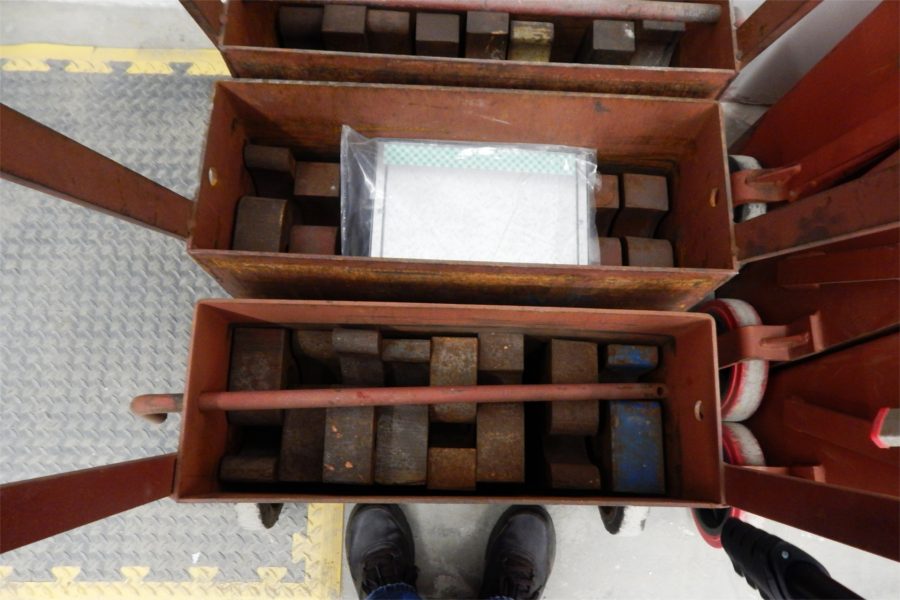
(739, 447)
(743, 384)
(626, 521)
(745, 212)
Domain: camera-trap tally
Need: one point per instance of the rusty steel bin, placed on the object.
(687, 367)
(702, 66)
(681, 138)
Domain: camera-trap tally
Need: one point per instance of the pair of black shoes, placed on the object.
(519, 557)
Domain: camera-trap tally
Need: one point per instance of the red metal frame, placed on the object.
(35, 509)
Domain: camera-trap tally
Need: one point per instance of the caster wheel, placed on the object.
(627, 521)
(742, 384)
(257, 517)
(745, 212)
(739, 447)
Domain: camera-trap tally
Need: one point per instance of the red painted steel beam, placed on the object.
(36, 156)
(881, 263)
(688, 12)
(860, 207)
(386, 396)
(35, 509)
(865, 520)
(841, 114)
(767, 23)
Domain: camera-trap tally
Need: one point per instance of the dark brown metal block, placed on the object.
(349, 445)
(656, 41)
(401, 446)
(302, 445)
(344, 28)
(567, 464)
(300, 26)
(501, 357)
(487, 34)
(454, 361)
(608, 43)
(659, 31)
(260, 360)
(357, 341)
(408, 351)
(316, 356)
(359, 351)
(248, 469)
(646, 252)
(500, 434)
(572, 362)
(451, 468)
(388, 31)
(645, 200)
(606, 202)
(269, 158)
(317, 179)
(313, 239)
(610, 251)
(261, 225)
(437, 34)
(530, 41)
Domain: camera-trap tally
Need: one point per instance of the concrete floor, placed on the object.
(668, 560)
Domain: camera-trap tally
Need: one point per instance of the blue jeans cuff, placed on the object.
(394, 591)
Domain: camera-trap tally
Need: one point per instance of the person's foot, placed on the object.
(380, 548)
(519, 554)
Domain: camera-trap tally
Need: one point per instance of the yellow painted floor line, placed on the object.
(320, 550)
(94, 59)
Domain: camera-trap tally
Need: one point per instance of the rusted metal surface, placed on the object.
(853, 209)
(451, 468)
(846, 312)
(842, 114)
(530, 41)
(408, 351)
(645, 201)
(567, 464)
(349, 445)
(836, 390)
(300, 26)
(762, 185)
(401, 446)
(572, 362)
(647, 252)
(501, 358)
(629, 361)
(38, 157)
(772, 342)
(313, 239)
(454, 362)
(155, 407)
(691, 12)
(434, 395)
(317, 179)
(634, 448)
(249, 469)
(656, 42)
(344, 28)
(318, 362)
(767, 23)
(693, 482)
(606, 202)
(500, 434)
(437, 34)
(302, 445)
(260, 360)
(208, 16)
(875, 526)
(262, 225)
(608, 42)
(879, 263)
(610, 251)
(36, 509)
(389, 31)
(269, 158)
(359, 352)
(487, 34)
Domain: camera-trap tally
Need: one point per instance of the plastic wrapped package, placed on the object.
(467, 201)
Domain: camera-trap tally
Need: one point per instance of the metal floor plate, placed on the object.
(93, 311)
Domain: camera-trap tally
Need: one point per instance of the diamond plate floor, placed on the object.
(94, 311)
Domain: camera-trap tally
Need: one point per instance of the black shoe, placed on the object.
(519, 554)
(380, 548)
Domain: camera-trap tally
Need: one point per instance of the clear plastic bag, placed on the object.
(462, 201)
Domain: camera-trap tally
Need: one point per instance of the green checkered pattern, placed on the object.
(515, 159)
